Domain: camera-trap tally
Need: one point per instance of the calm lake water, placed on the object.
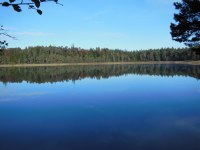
(110, 107)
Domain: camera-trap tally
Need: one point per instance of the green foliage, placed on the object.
(1, 59)
(188, 28)
(40, 55)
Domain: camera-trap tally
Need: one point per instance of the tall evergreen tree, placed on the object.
(188, 28)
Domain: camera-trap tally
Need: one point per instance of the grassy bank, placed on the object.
(106, 63)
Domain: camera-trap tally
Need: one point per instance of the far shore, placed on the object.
(104, 63)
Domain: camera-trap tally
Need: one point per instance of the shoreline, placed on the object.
(104, 63)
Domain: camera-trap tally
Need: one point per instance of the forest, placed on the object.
(53, 54)
(54, 74)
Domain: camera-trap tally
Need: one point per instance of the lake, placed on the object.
(102, 107)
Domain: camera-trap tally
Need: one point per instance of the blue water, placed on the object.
(131, 112)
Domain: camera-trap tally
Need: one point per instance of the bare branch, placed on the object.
(3, 44)
(6, 34)
(18, 9)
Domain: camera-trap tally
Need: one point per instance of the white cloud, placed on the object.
(107, 34)
(87, 18)
(96, 22)
(8, 99)
(94, 15)
(163, 1)
(35, 93)
(4, 91)
(8, 29)
(13, 29)
(33, 33)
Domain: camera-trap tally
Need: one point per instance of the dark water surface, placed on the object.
(112, 107)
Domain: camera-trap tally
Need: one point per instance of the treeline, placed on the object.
(52, 54)
(66, 73)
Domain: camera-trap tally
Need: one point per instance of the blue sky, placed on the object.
(123, 24)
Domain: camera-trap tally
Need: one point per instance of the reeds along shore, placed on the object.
(102, 63)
